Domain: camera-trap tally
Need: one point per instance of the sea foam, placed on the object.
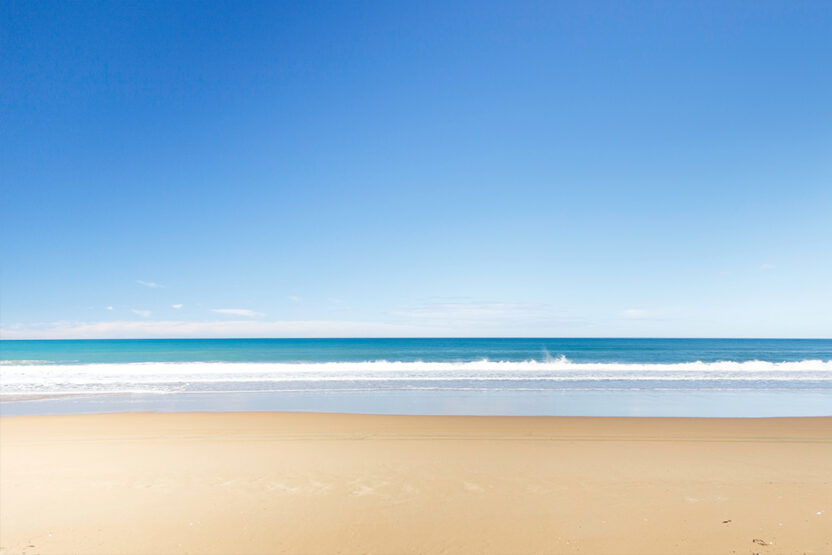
(19, 379)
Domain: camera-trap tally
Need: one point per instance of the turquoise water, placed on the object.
(428, 350)
(658, 377)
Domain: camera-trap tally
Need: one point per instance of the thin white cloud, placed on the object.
(636, 313)
(142, 313)
(244, 312)
(433, 319)
(151, 284)
(109, 308)
(767, 266)
(176, 306)
(142, 329)
(294, 298)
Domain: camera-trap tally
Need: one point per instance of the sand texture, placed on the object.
(326, 483)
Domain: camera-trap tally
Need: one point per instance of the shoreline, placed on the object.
(269, 482)
(556, 403)
(311, 413)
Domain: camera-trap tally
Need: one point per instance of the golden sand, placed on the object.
(327, 483)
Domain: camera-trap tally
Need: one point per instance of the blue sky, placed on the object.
(416, 169)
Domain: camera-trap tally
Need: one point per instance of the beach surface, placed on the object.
(338, 483)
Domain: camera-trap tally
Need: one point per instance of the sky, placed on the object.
(355, 169)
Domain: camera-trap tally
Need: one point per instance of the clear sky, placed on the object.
(416, 169)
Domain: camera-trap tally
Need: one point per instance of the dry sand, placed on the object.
(325, 483)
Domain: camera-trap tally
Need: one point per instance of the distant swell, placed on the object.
(556, 373)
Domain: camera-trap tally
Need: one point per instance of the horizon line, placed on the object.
(416, 338)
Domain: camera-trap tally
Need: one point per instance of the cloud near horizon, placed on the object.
(244, 312)
(456, 318)
(443, 318)
(151, 284)
(142, 329)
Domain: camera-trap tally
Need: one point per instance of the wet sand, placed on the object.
(336, 483)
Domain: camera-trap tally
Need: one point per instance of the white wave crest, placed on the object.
(174, 376)
(24, 362)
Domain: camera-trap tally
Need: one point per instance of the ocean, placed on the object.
(569, 377)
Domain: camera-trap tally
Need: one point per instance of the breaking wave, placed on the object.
(550, 373)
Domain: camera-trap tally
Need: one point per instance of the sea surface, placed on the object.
(576, 377)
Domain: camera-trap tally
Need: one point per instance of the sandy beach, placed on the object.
(334, 483)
